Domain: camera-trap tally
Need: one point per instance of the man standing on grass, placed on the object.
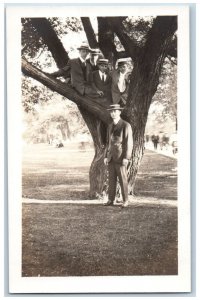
(118, 153)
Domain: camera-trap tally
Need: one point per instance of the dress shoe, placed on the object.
(125, 204)
(108, 203)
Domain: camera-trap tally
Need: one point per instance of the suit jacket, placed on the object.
(80, 77)
(119, 141)
(98, 84)
(116, 94)
(94, 67)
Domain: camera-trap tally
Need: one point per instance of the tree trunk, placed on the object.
(97, 173)
(136, 111)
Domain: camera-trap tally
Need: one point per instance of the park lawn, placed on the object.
(91, 239)
(94, 240)
(63, 174)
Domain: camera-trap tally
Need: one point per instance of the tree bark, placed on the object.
(89, 32)
(106, 39)
(143, 85)
(97, 173)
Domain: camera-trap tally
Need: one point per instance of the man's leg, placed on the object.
(112, 182)
(123, 180)
(90, 92)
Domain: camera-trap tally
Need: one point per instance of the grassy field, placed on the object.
(88, 240)
(62, 173)
(91, 239)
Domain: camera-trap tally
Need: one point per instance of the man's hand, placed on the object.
(125, 162)
(100, 93)
(106, 161)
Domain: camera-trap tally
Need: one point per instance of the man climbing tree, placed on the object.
(146, 42)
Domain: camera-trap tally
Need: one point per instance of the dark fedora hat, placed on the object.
(115, 107)
(84, 46)
(102, 61)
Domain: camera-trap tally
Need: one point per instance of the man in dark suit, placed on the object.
(101, 80)
(118, 153)
(79, 70)
(120, 82)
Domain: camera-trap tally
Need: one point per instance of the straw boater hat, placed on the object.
(115, 107)
(84, 46)
(102, 61)
(95, 51)
(122, 61)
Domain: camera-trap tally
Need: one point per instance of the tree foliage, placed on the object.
(166, 95)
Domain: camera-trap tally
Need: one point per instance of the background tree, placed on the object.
(47, 115)
(146, 42)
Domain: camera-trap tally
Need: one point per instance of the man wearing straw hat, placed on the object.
(118, 153)
(120, 82)
(101, 80)
(79, 71)
(95, 55)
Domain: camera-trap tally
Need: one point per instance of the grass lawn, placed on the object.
(91, 239)
(87, 240)
(62, 174)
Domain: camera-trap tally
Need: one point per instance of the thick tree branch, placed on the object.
(129, 44)
(91, 105)
(160, 36)
(89, 32)
(106, 38)
(121, 54)
(52, 41)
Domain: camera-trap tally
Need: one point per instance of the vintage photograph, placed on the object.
(100, 140)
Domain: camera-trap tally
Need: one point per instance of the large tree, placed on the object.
(147, 43)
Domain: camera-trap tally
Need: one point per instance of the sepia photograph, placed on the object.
(98, 149)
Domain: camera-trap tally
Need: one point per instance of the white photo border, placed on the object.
(100, 284)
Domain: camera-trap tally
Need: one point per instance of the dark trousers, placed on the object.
(117, 170)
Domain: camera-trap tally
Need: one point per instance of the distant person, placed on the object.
(118, 153)
(101, 80)
(79, 70)
(147, 138)
(165, 141)
(120, 82)
(155, 141)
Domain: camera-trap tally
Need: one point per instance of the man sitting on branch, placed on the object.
(78, 73)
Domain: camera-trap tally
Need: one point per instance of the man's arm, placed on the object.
(93, 84)
(65, 72)
(107, 146)
(128, 136)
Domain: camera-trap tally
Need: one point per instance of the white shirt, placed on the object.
(121, 82)
(101, 74)
(82, 60)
